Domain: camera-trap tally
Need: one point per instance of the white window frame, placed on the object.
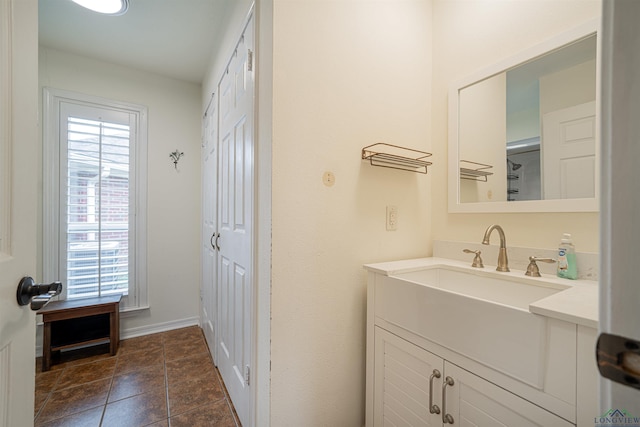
(52, 233)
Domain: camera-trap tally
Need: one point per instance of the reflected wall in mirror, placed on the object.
(523, 133)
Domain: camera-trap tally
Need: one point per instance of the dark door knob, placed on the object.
(38, 294)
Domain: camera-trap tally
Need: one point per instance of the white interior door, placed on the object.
(569, 152)
(620, 204)
(18, 205)
(209, 224)
(235, 219)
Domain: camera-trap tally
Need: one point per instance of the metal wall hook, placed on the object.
(38, 294)
(175, 156)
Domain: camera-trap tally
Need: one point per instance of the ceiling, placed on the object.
(175, 38)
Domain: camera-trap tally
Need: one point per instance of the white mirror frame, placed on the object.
(556, 205)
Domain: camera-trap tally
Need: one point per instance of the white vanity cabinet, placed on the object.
(409, 359)
(408, 381)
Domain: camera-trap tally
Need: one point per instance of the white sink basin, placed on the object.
(489, 286)
(483, 315)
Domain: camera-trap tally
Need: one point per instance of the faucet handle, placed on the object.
(532, 268)
(477, 260)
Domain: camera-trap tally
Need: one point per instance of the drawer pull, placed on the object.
(434, 409)
(446, 418)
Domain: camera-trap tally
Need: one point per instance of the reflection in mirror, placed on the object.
(533, 128)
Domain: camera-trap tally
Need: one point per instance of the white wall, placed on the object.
(347, 74)
(568, 87)
(173, 196)
(471, 35)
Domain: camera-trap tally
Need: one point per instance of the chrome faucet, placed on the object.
(503, 262)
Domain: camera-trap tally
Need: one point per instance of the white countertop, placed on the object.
(576, 304)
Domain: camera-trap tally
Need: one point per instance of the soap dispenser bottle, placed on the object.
(567, 267)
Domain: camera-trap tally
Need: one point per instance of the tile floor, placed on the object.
(160, 380)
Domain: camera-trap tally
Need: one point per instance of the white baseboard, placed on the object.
(134, 332)
(158, 327)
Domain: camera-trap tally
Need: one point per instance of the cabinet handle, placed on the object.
(217, 244)
(433, 408)
(446, 418)
(213, 245)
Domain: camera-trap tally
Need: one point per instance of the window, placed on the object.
(94, 207)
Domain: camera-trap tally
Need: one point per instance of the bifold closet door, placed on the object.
(235, 225)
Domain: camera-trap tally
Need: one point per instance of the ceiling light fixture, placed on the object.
(107, 7)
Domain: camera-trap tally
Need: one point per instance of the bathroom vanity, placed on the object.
(451, 344)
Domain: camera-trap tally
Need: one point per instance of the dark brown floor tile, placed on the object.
(143, 343)
(86, 373)
(185, 349)
(45, 381)
(54, 367)
(217, 414)
(137, 382)
(139, 360)
(136, 411)
(40, 399)
(90, 418)
(189, 368)
(138, 386)
(72, 400)
(190, 394)
(62, 360)
(181, 335)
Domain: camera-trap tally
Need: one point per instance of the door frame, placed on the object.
(263, 128)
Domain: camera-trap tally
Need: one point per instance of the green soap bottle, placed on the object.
(567, 267)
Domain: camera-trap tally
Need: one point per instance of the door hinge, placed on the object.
(247, 374)
(249, 60)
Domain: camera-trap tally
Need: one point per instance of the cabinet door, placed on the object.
(473, 401)
(401, 383)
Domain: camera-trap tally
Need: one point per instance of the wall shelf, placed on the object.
(474, 171)
(395, 157)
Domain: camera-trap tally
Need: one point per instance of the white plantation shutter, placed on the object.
(95, 197)
(97, 207)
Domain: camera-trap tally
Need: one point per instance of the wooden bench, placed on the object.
(82, 322)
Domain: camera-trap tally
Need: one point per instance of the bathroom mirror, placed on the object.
(523, 134)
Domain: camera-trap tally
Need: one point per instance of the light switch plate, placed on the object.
(392, 218)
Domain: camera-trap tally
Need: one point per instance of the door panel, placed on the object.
(209, 224)
(473, 401)
(569, 152)
(18, 205)
(235, 226)
(401, 384)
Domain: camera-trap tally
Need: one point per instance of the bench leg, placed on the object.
(114, 331)
(46, 347)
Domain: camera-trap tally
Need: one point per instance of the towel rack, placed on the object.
(474, 171)
(396, 157)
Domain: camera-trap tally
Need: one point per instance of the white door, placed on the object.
(209, 233)
(235, 219)
(620, 204)
(569, 152)
(18, 205)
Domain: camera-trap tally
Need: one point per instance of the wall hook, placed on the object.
(175, 156)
